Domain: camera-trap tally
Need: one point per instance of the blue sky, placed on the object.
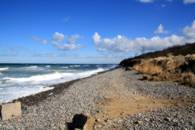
(91, 31)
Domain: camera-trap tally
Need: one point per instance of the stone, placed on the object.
(138, 122)
(175, 120)
(63, 127)
(146, 119)
(11, 110)
(98, 120)
(167, 119)
(82, 122)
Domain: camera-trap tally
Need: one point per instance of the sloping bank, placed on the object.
(173, 64)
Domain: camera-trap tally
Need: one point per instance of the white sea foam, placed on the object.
(11, 93)
(25, 86)
(65, 67)
(38, 78)
(75, 66)
(47, 66)
(31, 67)
(52, 76)
(4, 69)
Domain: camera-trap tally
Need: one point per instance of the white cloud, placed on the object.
(189, 1)
(137, 45)
(146, 1)
(58, 37)
(70, 45)
(140, 45)
(160, 30)
(189, 32)
(59, 41)
(152, 1)
(67, 46)
(38, 39)
(96, 38)
(73, 38)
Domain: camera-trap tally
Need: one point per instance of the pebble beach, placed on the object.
(112, 100)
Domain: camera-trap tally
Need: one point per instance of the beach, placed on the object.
(97, 65)
(116, 99)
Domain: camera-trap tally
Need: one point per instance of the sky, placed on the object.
(91, 31)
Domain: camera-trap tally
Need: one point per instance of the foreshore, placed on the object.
(115, 99)
(57, 88)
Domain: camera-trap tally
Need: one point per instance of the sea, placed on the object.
(20, 80)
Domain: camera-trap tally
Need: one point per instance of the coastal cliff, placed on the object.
(173, 64)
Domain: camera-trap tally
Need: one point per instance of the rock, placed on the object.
(147, 119)
(193, 120)
(98, 126)
(63, 127)
(167, 119)
(11, 110)
(82, 122)
(98, 120)
(105, 120)
(175, 120)
(138, 122)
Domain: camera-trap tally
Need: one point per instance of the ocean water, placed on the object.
(19, 80)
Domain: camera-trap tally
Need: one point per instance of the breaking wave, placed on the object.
(4, 69)
(23, 81)
(52, 76)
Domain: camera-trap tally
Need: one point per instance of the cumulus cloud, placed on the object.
(189, 32)
(70, 43)
(160, 30)
(189, 1)
(60, 41)
(96, 38)
(140, 45)
(152, 1)
(146, 1)
(58, 37)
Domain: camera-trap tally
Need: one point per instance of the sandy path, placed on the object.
(119, 101)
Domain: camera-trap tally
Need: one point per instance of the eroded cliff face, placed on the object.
(175, 68)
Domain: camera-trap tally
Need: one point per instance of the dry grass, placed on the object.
(148, 67)
(175, 68)
(188, 79)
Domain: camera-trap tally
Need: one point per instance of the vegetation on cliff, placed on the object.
(175, 64)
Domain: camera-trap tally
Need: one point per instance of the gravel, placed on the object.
(81, 97)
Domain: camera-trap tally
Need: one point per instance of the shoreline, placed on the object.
(113, 99)
(34, 99)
